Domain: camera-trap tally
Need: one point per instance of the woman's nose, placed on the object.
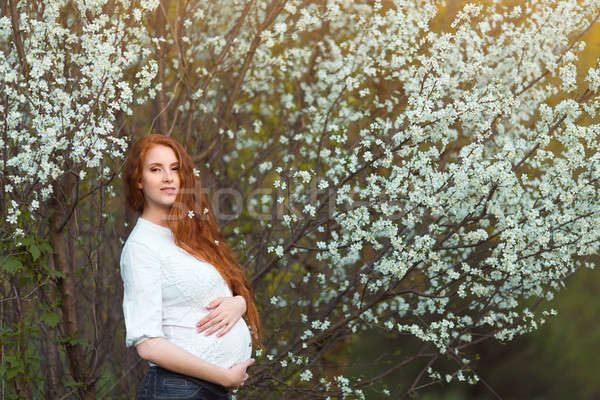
(168, 175)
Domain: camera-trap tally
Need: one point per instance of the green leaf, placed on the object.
(35, 251)
(54, 273)
(45, 246)
(12, 265)
(16, 365)
(50, 318)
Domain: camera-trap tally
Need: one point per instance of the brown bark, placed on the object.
(61, 203)
(53, 367)
(14, 18)
(3, 8)
(22, 387)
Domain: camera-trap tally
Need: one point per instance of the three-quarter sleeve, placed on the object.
(142, 294)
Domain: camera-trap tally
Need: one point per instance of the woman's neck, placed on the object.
(158, 219)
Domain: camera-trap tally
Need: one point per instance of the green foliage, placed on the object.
(12, 366)
(24, 272)
(50, 318)
(12, 265)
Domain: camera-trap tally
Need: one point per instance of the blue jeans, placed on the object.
(163, 384)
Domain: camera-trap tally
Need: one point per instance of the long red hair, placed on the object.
(198, 235)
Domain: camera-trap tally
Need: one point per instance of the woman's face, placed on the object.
(160, 177)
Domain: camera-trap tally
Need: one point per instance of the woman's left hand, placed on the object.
(227, 311)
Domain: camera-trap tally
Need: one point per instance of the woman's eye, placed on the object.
(156, 169)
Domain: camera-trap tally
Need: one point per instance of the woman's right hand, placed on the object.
(236, 375)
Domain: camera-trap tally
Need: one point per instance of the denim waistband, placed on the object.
(219, 389)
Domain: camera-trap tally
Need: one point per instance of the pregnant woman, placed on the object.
(184, 292)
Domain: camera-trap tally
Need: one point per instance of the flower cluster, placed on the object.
(63, 78)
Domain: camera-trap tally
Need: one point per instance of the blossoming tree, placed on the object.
(388, 170)
(65, 76)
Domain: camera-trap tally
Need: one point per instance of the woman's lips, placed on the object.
(169, 191)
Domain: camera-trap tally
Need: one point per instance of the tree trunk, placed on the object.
(64, 194)
(53, 366)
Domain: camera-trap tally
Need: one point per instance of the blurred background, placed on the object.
(559, 361)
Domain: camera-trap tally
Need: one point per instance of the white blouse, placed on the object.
(165, 292)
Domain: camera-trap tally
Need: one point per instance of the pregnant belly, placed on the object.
(225, 351)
